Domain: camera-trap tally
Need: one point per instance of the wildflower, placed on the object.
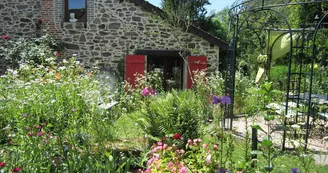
(208, 159)
(2, 164)
(215, 147)
(189, 141)
(204, 145)
(37, 126)
(165, 146)
(223, 100)
(57, 54)
(148, 91)
(176, 136)
(295, 170)
(170, 164)
(183, 170)
(148, 170)
(28, 128)
(5, 37)
(182, 151)
(226, 100)
(159, 143)
(16, 169)
(216, 100)
(30, 134)
(39, 133)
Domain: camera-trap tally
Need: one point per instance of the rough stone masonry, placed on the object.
(114, 29)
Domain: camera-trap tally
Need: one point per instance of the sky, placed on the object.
(76, 4)
(216, 5)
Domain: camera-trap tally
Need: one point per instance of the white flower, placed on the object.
(208, 159)
(62, 68)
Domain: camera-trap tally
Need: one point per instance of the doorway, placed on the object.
(170, 67)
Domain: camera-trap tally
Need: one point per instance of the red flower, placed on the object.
(16, 169)
(176, 136)
(57, 54)
(2, 164)
(5, 37)
(30, 134)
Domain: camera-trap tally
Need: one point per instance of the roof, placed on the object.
(191, 29)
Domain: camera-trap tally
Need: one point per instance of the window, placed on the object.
(75, 11)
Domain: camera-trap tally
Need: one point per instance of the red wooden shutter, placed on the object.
(195, 63)
(134, 64)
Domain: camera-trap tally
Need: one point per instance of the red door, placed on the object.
(134, 64)
(195, 63)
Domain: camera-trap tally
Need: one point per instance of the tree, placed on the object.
(193, 12)
(184, 12)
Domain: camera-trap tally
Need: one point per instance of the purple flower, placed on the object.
(226, 100)
(295, 170)
(223, 100)
(216, 100)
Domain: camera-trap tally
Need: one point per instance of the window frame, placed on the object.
(67, 13)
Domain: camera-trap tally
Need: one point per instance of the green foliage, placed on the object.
(175, 112)
(187, 13)
(184, 13)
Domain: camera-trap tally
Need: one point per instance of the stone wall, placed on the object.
(117, 28)
(114, 29)
(18, 19)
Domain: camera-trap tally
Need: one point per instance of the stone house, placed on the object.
(114, 32)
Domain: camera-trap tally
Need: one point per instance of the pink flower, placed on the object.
(182, 151)
(27, 128)
(37, 126)
(5, 37)
(204, 145)
(174, 169)
(16, 169)
(39, 133)
(208, 159)
(148, 91)
(165, 146)
(170, 164)
(189, 141)
(2, 164)
(159, 143)
(148, 170)
(215, 147)
(183, 170)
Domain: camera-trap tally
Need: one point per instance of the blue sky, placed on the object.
(216, 5)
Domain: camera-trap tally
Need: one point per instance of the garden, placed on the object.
(58, 116)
